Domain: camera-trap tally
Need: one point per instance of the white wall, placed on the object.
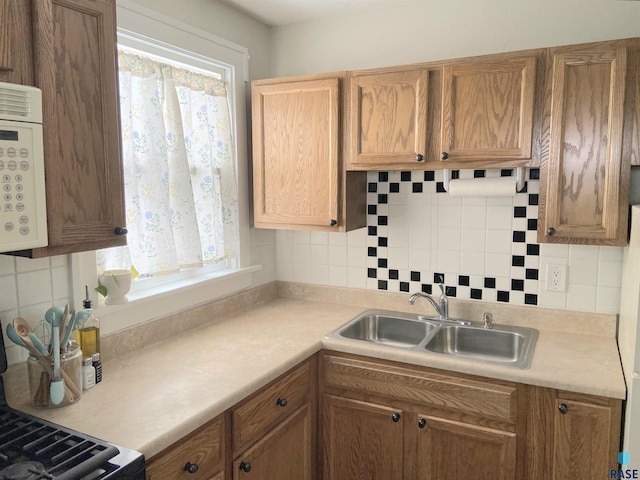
(438, 29)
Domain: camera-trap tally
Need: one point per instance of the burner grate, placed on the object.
(63, 455)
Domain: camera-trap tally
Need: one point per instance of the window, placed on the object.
(179, 167)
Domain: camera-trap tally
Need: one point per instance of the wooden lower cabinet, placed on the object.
(362, 440)
(457, 451)
(285, 452)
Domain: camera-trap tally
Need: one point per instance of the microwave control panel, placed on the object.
(23, 221)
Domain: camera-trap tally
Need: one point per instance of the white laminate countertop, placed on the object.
(152, 398)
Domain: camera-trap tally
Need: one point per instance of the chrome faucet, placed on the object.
(442, 307)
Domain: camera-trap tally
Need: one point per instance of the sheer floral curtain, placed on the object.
(179, 169)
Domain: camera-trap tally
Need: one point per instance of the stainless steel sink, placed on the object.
(388, 329)
(511, 346)
(504, 345)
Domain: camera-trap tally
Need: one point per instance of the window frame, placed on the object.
(141, 28)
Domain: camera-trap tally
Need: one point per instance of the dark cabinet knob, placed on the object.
(395, 417)
(551, 231)
(245, 467)
(191, 467)
(444, 155)
(333, 223)
(563, 408)
(422, 423)
(120, 231)
(419, 157)
(282, 402)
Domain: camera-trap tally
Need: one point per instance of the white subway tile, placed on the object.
(8, 293)
(516, 298)
(583, 251)
(583, 271)
(420, 259)
(32, 264)
(449, 238)
(398, 258)
(61, 278)
(551, 299)
(497, 265)
(284, 271)
(34, 288)
(474, 240)
(301, 237)
(356, 238)
(499, 217)
(338, 255)
(608, 300)
(356, 277)
(372, 284)
(612, 254)
(474, 216)
(473, 263)
(319, 254)
(609, 273)
(448, 261)
(499, 241)
(554, 250)
(581, 298)
(450, 216)
(7, 264)
(357, 256)
(301, 273)
(319, 238)
(301, 253)
(337, 238)
(399, 198)
(319, 275)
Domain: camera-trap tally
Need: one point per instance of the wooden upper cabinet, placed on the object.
(76, 68)
(388, 118)
(296, 162)
(487, 109)
(585, 184)
(16, 42)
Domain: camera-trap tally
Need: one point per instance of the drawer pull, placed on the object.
(395, 417)
(444, 156)
(245, 467)
(563, 408)
(419, 157)
(422, 423)
(191, 467)
(120, 231)
(281, 402)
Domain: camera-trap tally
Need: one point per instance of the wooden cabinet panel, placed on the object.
(388, 117)
(487, 109)
(583, 445)
(458, 451)
(296, 153)
(205, 448)
(254, 417)
(362, 440)
(16, 42)
(76, 68)
(586, 181)
(285, 452)
(411, 384)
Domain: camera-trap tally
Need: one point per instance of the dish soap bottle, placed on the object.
(89, 329)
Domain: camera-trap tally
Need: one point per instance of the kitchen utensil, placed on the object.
(71, 326)
(63, 324)
(38, 344)
(50, 315)
(56, 387)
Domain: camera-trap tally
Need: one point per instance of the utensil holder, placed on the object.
(40, 371)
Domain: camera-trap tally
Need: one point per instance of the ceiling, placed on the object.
(283, 12)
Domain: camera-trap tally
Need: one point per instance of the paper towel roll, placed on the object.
(483, 187)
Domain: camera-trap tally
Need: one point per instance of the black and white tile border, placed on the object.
(525, 252)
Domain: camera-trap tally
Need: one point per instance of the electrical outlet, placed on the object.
(556, 277)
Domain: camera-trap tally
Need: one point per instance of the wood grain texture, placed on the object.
(361, 441)
(284, 453)
(388, 115)
(205, 447)
(259, 413)
(484, 399)
(457, 451)
(16, 42)
(537, 454)
(487, 109)
(75, 65)
(296, 161)
(586, 181)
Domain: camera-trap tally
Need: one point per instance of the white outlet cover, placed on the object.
(556, 277)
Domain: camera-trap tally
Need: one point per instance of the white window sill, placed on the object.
(162, 298)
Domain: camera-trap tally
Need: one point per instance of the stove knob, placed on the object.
(191, 467)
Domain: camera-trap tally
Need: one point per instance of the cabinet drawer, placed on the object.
(204, 447)
(254, 417)
(464, 395)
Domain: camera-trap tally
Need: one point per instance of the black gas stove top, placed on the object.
(33, 449)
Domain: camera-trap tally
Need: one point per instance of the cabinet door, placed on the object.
(16, 42)
(389, 118)
(286, 452)
(362, 440)
(295, 154)
(586, 182)
(457, 451)
(584, 446)
(487, 110)
(76, 68)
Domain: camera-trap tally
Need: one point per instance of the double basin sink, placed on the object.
(502, 344)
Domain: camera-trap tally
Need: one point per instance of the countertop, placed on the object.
(152, 398)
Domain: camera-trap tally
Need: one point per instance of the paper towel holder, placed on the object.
(520, 181)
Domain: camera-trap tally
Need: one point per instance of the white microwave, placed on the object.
(23, 210)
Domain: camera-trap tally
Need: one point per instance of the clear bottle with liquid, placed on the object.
(89, 330)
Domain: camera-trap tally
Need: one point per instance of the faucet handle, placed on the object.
(442, 289)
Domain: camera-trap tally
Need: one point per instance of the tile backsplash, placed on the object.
(484, 248)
